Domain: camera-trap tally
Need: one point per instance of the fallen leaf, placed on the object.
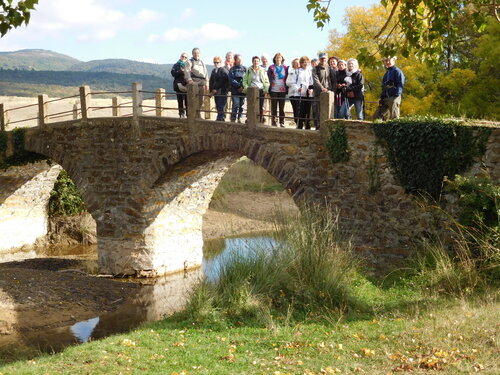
(127, 342)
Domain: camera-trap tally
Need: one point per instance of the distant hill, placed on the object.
(36, 59)
(39, 59)
(124, 66)
(29, 82)
(31, 69)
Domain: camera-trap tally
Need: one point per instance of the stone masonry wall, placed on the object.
(141, 177)
(24, 195)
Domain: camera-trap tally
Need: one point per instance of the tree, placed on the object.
(481, 100)
(362, 25)
(429, 27)
(12, 16)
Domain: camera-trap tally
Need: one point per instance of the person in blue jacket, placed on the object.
(236, 74)
(392, 89)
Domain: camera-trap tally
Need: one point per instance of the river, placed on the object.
(148, 301)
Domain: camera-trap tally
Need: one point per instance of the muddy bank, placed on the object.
(62, 288)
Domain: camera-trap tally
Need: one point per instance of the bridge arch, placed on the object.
(125, 167)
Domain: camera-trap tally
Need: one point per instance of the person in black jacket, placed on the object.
(179, 73)
(218, 86)
(340, 91)
(355, 88)
(236, 74)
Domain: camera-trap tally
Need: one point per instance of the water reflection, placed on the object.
(217, 257)
(152, 301)
(83, 330)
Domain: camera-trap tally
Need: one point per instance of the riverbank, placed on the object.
(60, 287)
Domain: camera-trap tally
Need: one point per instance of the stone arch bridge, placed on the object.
(148, 180)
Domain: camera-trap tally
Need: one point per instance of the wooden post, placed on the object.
(160, 101)
(252, 107)
(193, 102)
(206, 106)
(43, 109)
(116, 106)
(75, 111)
(136, 99)
(4, 117)
(325, 105)
(85, 101)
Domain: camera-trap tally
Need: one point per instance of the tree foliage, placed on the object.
(471, 89)
(362, 24)
(14, 15)
(429, 28)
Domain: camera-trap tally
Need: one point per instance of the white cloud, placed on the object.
(146, 15)
(85, 20)
(79, 13)
(187, 14)
(207, 32)
(152, 38)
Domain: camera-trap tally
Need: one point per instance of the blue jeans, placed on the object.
(220, 104)
(345, 108)
(358, 104)
(238, 102)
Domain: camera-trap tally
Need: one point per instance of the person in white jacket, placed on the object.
(293, 89)
(305, 89)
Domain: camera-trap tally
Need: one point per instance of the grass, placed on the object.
(245, 175)
(458, 339)
(308, 307)
(307, 310)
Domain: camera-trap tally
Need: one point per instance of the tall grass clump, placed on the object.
(470, 261)
(309, 270)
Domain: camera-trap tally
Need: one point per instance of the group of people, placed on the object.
(303, 82)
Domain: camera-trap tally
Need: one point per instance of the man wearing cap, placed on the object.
(392, 89)
(322, 78)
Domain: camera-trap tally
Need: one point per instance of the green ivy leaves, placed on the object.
(65, 199)
(337, 146)
(423, 150)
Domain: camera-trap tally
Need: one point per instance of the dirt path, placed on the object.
(55, 292)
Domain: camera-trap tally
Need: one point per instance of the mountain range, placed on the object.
(30, 72)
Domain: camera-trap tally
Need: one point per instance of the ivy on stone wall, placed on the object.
(20, 155)
(65, 198)
(336, 144)
(423, 150)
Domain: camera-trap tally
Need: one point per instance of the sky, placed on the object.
(158, 31)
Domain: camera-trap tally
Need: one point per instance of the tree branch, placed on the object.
(393, 10)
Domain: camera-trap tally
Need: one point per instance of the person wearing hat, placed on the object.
(322, 83)
(392, 89)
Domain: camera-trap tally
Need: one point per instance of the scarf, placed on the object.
(279, 71)
(181, 63)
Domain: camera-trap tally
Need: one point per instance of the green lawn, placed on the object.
(457, 338)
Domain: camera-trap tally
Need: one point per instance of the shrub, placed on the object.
(311, 269)
(65, 199)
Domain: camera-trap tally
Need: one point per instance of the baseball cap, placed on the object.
(323, 56)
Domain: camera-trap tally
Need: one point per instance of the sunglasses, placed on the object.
(184, 57)
(216, 62)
